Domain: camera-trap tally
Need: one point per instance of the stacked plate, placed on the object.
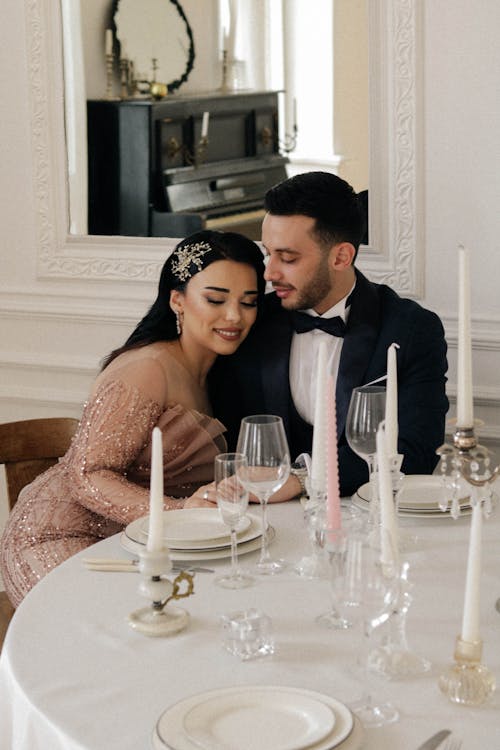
(196, 534)
(258, 718)
(419, 497)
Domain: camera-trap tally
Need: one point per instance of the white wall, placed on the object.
(55, 327)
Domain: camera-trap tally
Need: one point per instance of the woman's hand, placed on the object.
(290, 490)
(204, 497)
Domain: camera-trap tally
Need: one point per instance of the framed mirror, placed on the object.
(394, 255)
(156, 37)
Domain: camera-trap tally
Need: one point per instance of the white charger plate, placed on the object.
(420, 495)
(170, 732)
(199, 555)
(253, 529)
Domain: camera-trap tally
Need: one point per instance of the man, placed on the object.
(311, 234)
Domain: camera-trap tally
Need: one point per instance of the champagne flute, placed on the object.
(366, 411)
(365, 590)
(263, 441)
(232, 501)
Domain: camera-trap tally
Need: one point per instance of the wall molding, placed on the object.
(395, 257)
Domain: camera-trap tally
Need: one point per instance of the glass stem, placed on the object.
(374, 504)
(234, 553)
(264, 552)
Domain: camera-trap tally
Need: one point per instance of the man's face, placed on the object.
(297, 267)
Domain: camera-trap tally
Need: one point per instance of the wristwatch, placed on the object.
(300, 472)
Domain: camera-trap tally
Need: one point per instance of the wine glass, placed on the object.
(365, 591)
(263, 441)
(366, 411)
(232, 501)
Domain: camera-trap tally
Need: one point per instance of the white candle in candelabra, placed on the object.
(391, 402)
(318, 459)
(231, 37)
(333, 491)
(470, 622)
(465, 416)
(155, 529)
(109, 42)
(204, 124)
(389, 542)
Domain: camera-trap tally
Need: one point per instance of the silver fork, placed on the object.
(451, 743)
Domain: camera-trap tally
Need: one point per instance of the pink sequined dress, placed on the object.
(102, 483)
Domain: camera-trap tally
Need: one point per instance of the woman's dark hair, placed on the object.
(324, 197)
(191, 255)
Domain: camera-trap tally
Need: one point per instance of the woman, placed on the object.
(207, 301)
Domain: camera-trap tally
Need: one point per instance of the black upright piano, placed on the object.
(151, 174)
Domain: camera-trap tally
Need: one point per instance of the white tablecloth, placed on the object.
(74, 675)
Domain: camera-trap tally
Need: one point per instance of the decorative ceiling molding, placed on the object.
(395, 255)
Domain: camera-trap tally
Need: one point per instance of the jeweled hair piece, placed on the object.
(185, 257)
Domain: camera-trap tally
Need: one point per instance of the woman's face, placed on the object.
(218, 306)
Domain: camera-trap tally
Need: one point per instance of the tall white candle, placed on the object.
(391, 402)
(465, 415)
(389, 528)
(155, 530)
(333, 513)
(109, 42)
(231, 37)
(470, 622)
(319, 445)
(204, 124)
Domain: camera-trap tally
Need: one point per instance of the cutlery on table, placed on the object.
(119, 565)
(433, 742)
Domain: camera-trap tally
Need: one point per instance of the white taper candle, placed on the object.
(109, 42)
(391, 402)
(389, 544)
(470, 622)
(155, 529)
(465, 414)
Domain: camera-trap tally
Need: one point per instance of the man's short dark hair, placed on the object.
(322, 196)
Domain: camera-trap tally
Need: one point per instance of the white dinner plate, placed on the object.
(195, 526)
(420, 496)
(253, 526)
(192, 525)
(259, 720)
(198, 555)
(170, 731)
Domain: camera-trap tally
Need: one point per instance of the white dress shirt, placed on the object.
(304, 360)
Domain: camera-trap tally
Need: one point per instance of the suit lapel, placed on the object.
(359, 344)
(275, 356)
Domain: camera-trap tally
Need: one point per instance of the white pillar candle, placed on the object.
(389, 528)
(204, 124)
(470, 622)
(155, 530)
(465, 417)
(319, 447)
(391, 402)
(109, 42)
(333, 490)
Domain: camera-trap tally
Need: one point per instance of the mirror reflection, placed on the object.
(182, 149)
(156, 40)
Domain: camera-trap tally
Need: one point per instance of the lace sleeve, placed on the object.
(115, 428)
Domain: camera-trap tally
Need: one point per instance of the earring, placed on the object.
(178, 322)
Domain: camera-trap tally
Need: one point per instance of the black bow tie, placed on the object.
(302, 322)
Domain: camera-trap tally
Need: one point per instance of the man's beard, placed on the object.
(315, 291)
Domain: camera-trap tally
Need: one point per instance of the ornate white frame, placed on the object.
(395, 256)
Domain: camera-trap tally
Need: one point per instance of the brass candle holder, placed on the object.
(157, 619)
(468, 681)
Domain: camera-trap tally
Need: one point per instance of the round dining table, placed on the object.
(75, 676)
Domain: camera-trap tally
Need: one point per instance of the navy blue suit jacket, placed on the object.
(255, 379)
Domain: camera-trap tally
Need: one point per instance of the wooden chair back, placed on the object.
(29, 447)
